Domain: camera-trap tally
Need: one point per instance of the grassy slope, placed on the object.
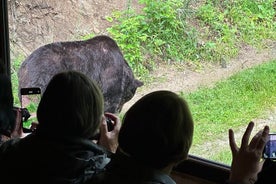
(231, 103)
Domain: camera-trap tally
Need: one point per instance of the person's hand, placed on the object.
(109, 139)
(246, 160)
(18, 128)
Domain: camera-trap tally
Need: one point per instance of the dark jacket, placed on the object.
(268, 172)
(124, 170)
(39, 160)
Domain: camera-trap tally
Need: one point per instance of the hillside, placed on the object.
(37, 22)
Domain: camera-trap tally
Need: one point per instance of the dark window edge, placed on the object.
(204, 169)
(4, 37)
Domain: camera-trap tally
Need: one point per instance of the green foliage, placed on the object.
(233, 102)
(15, 65)
(159, 31)
(220, 32)
(166, 29)
(129, 37)
(234, 22)
(254, 19)
(163, 30)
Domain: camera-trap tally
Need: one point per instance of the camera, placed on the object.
(269, 151)
(29, 98)
(25, 114)
(110, 125)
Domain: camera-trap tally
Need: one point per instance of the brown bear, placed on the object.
(100, 58)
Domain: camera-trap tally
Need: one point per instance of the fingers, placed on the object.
(115, 124)
(115, 119)
(110, 115)
(246, 135)
(263, 139)
(109, 139)
(253, 143)
(232, 142)
(259, 140)
(246, 163)
(103, 127)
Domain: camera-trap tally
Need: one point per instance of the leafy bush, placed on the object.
(161, 31)
(158, 32)
(234, 22)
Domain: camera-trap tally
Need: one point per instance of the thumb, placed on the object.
(103, 127)
(232, 142)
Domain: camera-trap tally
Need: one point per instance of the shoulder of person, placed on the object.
(7, 145)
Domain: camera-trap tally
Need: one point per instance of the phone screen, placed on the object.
(270, 147)
(30, 98)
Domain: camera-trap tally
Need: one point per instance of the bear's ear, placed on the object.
(138, 83)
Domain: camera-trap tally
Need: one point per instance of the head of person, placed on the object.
(71, 106)
(157, 130)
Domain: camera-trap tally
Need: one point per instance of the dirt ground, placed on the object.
(181, 78)
(37, 22)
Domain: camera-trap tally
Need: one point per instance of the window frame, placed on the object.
(203, 169)
(4, 37)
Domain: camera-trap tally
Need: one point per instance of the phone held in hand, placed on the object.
(29, 98)
(110, 127)
(270, 147)
(110, 124)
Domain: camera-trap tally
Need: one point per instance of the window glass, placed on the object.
(34, 23)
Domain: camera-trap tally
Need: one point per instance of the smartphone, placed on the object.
(110, 124)
(270, 147)
(29, 98)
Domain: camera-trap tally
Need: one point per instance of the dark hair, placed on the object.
(7, 115)
(157, 130)
(72, 105)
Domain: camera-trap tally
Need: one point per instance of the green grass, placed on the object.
(231, 103)
(14, 69)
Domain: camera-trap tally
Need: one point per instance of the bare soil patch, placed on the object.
(184, 78)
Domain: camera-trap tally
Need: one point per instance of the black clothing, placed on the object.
(7, 113)
(41, 160)
(266, 175)
(124, 170)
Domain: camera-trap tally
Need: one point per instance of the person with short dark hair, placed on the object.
(166, 135)
(61, 150)
(156, 135)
